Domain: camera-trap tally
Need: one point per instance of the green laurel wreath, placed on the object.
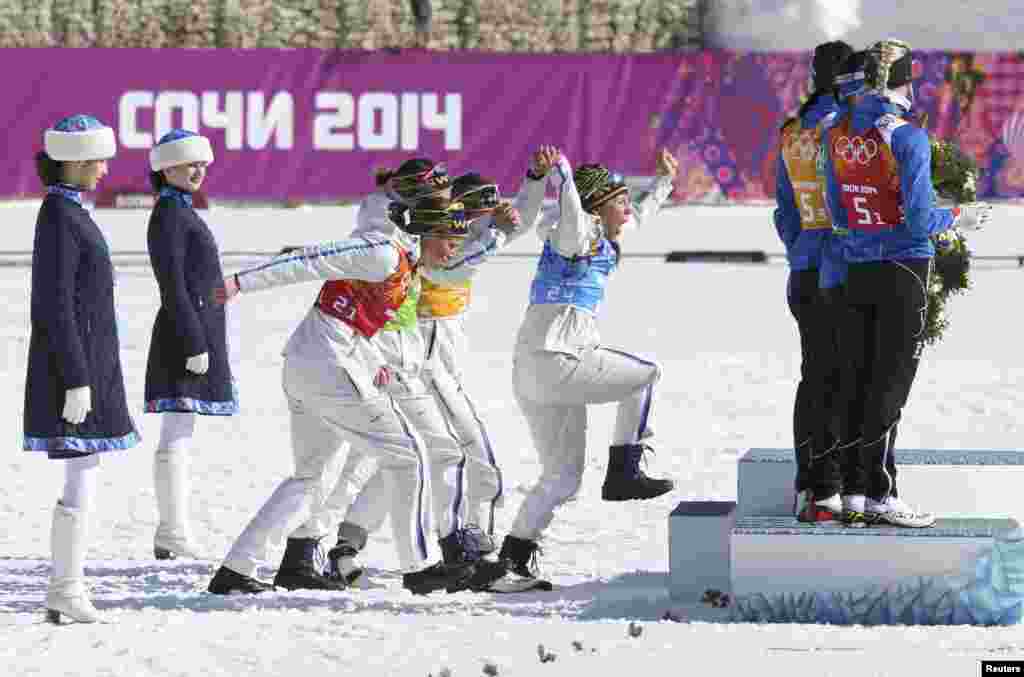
(955, 178)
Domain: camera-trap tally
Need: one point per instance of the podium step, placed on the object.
(954, 483)
(780, 555)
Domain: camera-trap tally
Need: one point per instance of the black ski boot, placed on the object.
(341, 564)
(298, 569)
(520, 558)
(625, 481)
(464, 547)
(484, 543)
(439, 576)
(228, 581)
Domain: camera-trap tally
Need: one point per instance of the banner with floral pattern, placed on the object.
(313, 124)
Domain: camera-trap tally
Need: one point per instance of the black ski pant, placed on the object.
(846, 384)
(815, 434)
(887, 302)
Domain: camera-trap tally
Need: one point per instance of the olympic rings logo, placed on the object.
(858, 150)
(804, 147)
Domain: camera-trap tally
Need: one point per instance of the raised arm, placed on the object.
(651, 201)
(475, 251)
(575, 230)
(530, 198)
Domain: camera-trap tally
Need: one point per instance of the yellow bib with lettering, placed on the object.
(443, 300)
(800, 149)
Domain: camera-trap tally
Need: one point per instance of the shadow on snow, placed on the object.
(181, 585)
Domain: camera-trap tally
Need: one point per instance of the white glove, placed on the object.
(77, 403)
(973, 216)
(198, 364)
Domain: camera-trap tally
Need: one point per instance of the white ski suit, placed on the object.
(560, 365)
(443, 341)
(328, 379)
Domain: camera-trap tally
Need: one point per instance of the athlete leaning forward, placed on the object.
(336, 380)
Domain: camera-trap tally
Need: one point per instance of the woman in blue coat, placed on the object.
(75, 405)
(187, 372)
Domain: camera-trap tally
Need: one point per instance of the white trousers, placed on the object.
(326, 409)
(484, 488)
(553, 391)
(454, 420)
(362, 492)
(447, 345)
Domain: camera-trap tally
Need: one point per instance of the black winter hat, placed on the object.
(828, 59)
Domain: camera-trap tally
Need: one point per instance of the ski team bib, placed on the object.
(367, 306)
(801, 149)
(443, 300)
(867, 174)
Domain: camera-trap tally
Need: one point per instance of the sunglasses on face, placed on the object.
(434, 172)
(483, 197)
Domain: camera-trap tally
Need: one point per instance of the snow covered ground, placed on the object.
(728, 347)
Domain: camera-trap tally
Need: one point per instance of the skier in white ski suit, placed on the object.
(560, 365)
(335, 379)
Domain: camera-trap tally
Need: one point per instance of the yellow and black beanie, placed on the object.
(596, 185)
(433, 216)
(891, 57)
(478, 193)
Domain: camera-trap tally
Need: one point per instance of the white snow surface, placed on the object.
(729, 350)
(958, 25)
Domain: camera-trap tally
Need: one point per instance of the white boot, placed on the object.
(67, 593)
(171, 483)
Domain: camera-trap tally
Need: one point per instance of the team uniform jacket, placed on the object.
(801, 219)
(323, 335)
(186, 263)
(573, 271)
(833, 268)
(74, 339)
(404, 344)
(878, 184)
(399, 342)
(447, 292)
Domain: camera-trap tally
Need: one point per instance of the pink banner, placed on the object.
(312, 124)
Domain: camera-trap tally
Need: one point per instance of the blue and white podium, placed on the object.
(756, 545)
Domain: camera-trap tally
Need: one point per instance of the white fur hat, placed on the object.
(79, 137)
(180, 147)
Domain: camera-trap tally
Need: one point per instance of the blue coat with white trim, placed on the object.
(186, 263)
(74, 340)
